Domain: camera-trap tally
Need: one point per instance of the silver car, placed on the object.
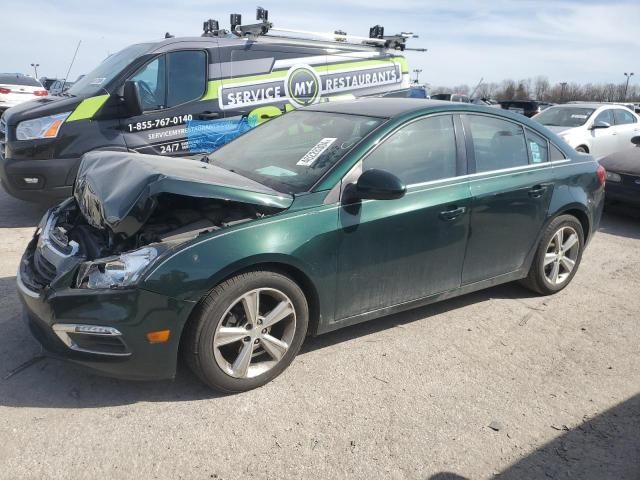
(595, 128)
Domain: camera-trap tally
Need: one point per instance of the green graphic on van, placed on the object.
(303, 85)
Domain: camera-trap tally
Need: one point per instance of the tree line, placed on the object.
(539, 88)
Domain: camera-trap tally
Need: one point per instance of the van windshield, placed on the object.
(95, 81)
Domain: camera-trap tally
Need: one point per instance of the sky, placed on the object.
(564, 40)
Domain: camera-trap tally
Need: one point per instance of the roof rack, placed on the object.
(376, 38)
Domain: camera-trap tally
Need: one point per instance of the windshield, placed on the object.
(292, 152)
(564, 116)
(94, 82)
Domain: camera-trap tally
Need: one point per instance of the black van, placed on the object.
(181, 95)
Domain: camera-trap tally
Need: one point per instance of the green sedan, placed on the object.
(325, 217)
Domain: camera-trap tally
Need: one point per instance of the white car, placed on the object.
(592, 128)
(16, 89)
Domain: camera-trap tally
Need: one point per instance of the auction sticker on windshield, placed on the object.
(312, 155)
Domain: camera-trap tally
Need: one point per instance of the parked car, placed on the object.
(16, 89)
(47, 82)
(591, 127)
(485, 102)
(451, 97)
(59, 87)
(328, 216)
(528, 108)
(623, 175)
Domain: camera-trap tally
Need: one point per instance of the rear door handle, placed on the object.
(537, 191)
(452, 213)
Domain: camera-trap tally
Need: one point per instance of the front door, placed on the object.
(172, 87)
(511, 192)
(604, 140)
(395, 251)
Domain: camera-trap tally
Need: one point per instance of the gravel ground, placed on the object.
(496, 383)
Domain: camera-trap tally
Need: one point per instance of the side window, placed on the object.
(151, 84)
(422, 151)
(623, 116)
(538, 147)
(172, 79)
(555, 153)
(186, 76)
(605, 116)
(497, 144)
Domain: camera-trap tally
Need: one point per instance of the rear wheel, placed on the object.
(247, 331)
(558, 256)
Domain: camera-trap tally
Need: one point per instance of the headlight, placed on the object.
(613, 177)
(44, 127)
(117, 271)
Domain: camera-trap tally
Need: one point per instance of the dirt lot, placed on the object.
(497, 383)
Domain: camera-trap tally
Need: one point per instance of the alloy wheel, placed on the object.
(561, 255)
(255, 333)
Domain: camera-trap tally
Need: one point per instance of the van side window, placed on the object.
(422, 151)
(538, 147)
(172, 79)
(497, 144)
(151, 82)
(186, 76)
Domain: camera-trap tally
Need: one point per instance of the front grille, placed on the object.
(631, 180)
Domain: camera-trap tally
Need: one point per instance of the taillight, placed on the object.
(41, 93)
(5, 90)
(602, 175)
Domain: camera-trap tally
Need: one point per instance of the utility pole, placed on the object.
(626, 87)
(418, 71)
(563, 85)
(36, 65)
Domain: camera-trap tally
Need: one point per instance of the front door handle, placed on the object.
(452, 213)
(537, 191)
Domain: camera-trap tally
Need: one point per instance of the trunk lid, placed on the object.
(119, 191)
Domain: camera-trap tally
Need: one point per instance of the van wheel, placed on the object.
(558, 256)
(247, 331)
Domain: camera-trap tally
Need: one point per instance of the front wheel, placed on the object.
(558, 256)
(247, 331)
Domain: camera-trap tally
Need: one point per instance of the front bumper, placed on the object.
(627, 192)
(128, 314)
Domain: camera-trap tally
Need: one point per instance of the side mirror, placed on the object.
(379, 185)
(600, 124)
(131, 97)
(636, 140)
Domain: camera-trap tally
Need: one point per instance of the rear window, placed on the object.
(19, 80)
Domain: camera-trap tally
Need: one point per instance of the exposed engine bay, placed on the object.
(175, 219)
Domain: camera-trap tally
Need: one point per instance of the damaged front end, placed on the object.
(128, 210)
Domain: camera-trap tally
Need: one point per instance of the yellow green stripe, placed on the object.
(88, 108)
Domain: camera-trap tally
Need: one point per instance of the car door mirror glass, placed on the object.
(131, 98)
(377, 184)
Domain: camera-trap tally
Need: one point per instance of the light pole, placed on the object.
(417, 71)
(36, 65)
(628, 75)
(563, 85)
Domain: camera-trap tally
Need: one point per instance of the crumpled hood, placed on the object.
(119, 190)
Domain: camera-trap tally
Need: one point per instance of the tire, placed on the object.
(222, 316)
(582, 149)
(540, 277)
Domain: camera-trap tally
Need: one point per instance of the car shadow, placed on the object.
(604, 446)
(18, 213)
(29, 379)
(621, 220)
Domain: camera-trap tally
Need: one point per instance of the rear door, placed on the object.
(511, 190)
(172, 86)
(395, 251)
(627, 127)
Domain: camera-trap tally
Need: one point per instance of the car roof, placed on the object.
(379, 107)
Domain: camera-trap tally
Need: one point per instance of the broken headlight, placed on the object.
(117, 271)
